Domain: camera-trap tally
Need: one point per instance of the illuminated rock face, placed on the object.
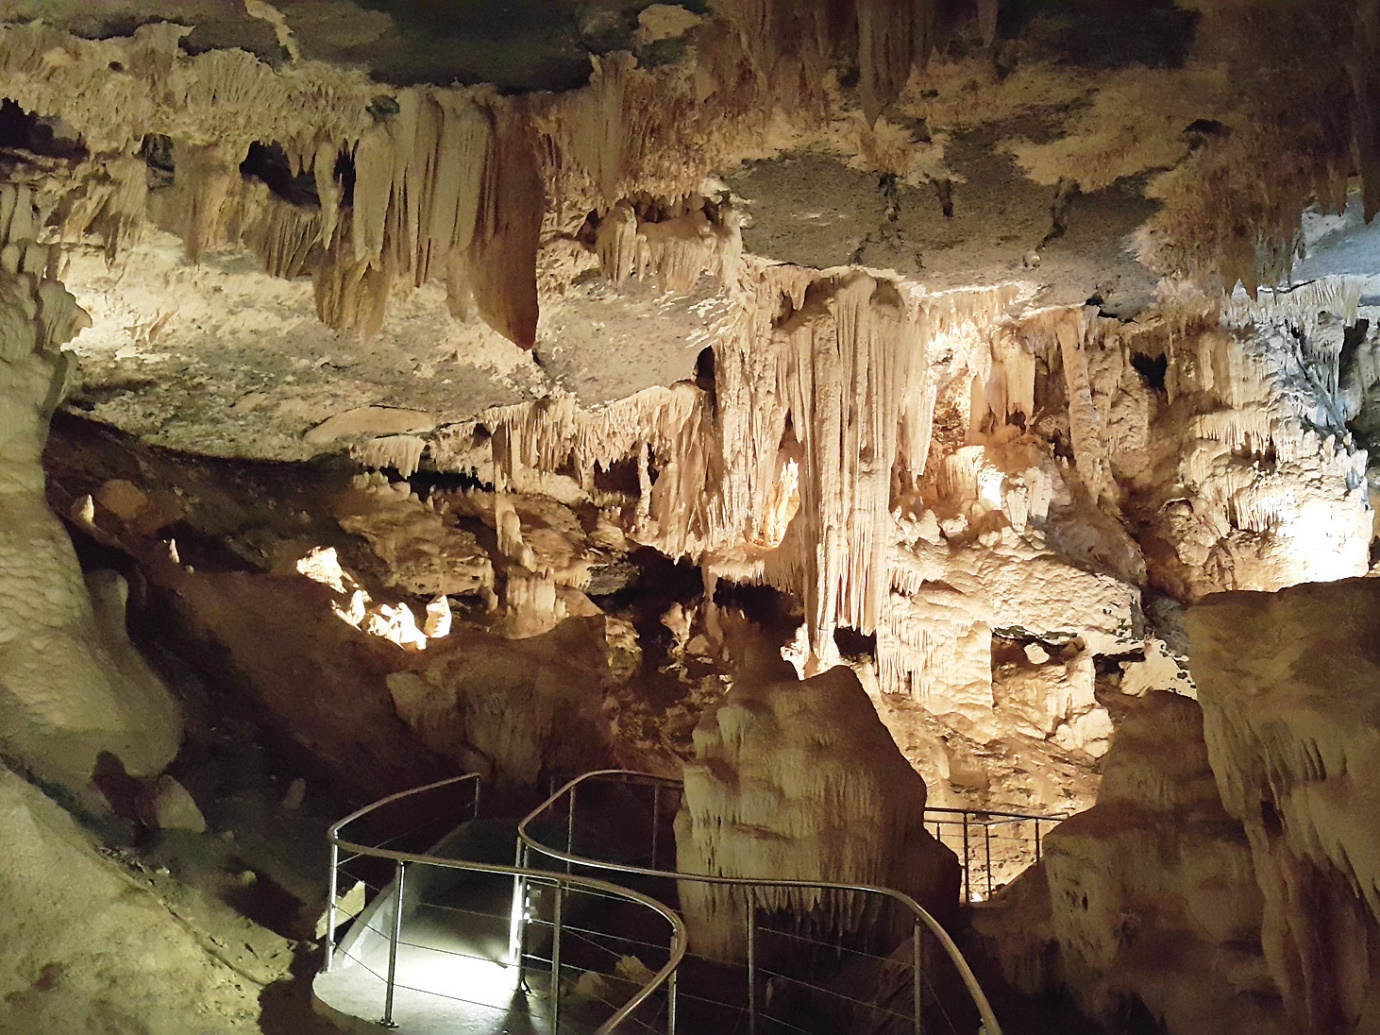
(1149, 895)
(916, 429)
(1288, 687)
(123, 960)
(1232, 857)
(801, 781)
(71, 685)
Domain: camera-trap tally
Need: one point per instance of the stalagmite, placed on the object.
(1149, 894)
(74, 688)
(800, 781)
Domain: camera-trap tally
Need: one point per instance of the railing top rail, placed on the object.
(678, 940)
(996, 814)
(989, 1019)
(632, 775)
(374, 806)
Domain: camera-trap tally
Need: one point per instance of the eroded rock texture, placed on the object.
(1288, 687)
(974, 339)
(1230, 861)
(801, 781)
(1147, 900)
(71, 685)
(92, 950)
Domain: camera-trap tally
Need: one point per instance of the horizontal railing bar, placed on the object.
(379, 805)
(678, 939)
(590, 935)
(831, 946)
(919, 912)
(1027, 817)
(837, 995)
(461, 909)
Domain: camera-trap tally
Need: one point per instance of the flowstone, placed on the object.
(801, 781)
(71, 685)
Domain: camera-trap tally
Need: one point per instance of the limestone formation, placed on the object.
(801, 781)
(961, 345)
(73, 686)
(1148, 897)
(91, 948)
(512, 711)
(1287, 686)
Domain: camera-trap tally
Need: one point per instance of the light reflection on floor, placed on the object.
(447, 980)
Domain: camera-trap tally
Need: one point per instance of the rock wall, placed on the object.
(88, 949)
(513, 709)
(1231, 861)
(1288, 687)
(71, 685)
(1148, 897)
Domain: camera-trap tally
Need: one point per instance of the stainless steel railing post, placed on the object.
(332, 890)
(517, 924)
(671, 991)
(476, 798)
(919, 986)
(556, 958)
(656, 818)
(570, 829)
(987, 842)
(395, 936)
(1037, 840)
(752, 959)
(967, 882)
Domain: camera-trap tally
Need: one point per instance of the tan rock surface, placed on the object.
(1287, 683)
(90, 950)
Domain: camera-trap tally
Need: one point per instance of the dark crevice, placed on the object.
(1153, 369)
(269, 164)
(618, 477)
(21, 130)
(157, 153)
(853, 644)
(944, 191)
(345, 176)
(1064, 193)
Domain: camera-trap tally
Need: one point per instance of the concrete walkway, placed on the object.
(455, 932)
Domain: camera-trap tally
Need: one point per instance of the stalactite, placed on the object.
(501, 263)
(675, 251)
(891, 35)
(203, 176)
(616, 243)
(286, 238)
(601, 130)
(402, 452)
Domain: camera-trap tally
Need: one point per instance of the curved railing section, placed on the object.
(395, 872)
(994, 847)
(762, 896)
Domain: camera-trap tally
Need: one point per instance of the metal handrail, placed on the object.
(661, 977)
(989, 1019)
(985, 820)
(1016, 817)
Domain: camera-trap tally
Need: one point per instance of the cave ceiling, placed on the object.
(1073, 152)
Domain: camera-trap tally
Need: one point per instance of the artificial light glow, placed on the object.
(437, 623)
(323, 566)
(990, 482)
(395, 623)
(782, 504)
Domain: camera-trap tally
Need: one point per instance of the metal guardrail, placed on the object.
(971, 834)
(752, 889)
(405, 862)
